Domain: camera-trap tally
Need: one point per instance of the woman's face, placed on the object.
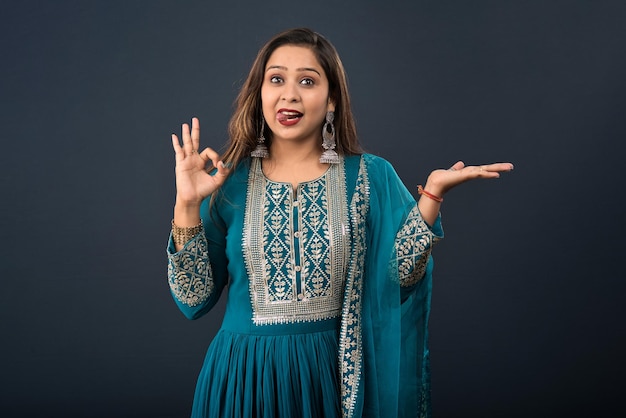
(295, 95)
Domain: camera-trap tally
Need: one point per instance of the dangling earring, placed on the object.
(329, 155)
(261, 149)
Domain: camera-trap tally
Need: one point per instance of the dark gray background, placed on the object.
(528, 311)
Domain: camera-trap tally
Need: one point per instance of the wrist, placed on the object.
(432, 193)
(187, 214)
(187, 203)
(434, 188)
(182, 235)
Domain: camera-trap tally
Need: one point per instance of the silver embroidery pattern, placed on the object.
(189, 272)
(295, 251)
(424, 408)
(350, 344)
(413, 247)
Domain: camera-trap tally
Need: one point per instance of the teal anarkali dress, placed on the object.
(328, 300)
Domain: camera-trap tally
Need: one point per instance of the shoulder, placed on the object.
(370, 160)
(376, 171)
(376, 160)
(383, 179)
(378, 166)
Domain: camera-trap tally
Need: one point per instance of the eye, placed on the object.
(275, 79)
(307, 81)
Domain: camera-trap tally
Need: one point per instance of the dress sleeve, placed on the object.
(413, 246)
(411, 238)
(197, 273)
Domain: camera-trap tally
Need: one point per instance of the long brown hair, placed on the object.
(245, 123)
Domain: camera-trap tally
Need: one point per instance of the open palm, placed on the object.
(441, 181)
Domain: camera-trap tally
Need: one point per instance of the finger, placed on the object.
(178, 150)
(195, 133)
(222, 170)
(497, 167)
(221, 173)
(486, 171)
(209, 154)
(457, 166)
(214, 157)
(187, 144)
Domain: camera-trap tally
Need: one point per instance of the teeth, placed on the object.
(291, 113)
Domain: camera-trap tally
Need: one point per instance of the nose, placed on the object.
(290, 92)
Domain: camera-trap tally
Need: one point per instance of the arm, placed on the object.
(196, 264)
(193, 182)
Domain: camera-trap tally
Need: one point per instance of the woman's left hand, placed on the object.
(441, 181)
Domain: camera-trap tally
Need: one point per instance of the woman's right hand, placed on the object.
(193, 182)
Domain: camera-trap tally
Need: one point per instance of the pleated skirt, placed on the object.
(269, 376)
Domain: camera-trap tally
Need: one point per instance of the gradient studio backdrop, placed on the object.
(528, 311)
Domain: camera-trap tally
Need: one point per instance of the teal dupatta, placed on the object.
(383, 348)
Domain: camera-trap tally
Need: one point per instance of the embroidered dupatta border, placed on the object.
(350, 340)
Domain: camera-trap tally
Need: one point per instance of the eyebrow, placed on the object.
(280, 67)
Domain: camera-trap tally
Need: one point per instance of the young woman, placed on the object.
(325, 252)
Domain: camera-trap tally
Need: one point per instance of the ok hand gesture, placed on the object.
(193, 183)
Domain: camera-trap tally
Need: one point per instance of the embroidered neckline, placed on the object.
(296, 250)
(259, 169)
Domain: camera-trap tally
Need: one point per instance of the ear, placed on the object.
(331, 105)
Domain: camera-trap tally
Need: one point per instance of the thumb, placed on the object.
(222, 171)
(457, 166)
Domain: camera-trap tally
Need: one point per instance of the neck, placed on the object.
(294, 162)
(287, 153)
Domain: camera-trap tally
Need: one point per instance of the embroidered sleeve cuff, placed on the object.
(189, 271)
(413, 246)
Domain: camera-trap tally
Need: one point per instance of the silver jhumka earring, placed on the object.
(329, 156)
(261, 149)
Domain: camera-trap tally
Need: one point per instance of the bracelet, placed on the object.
(182, 235)
(420, 190)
